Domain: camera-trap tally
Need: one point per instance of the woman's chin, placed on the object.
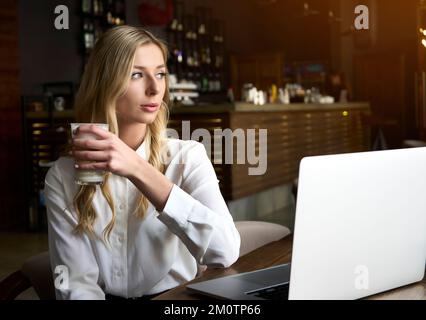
(147, 118)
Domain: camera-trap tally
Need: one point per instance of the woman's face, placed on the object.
(147, 85)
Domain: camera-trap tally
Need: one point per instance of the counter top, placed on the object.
(236, 107)
(270, 107)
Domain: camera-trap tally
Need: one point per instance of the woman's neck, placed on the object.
(132, 134)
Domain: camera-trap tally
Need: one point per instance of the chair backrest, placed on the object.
(255, 234)
(37, 270)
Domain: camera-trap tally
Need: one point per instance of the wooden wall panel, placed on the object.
(292, 136)
(261, 70)
(12, 212)
(380, 79)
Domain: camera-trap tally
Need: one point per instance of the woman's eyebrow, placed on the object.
(144, 68)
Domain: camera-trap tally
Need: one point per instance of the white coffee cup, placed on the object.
(88, 177)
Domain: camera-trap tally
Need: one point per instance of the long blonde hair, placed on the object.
(105, 79)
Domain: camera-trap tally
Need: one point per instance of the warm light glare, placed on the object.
(421, 30)
(424, 42)
(345, 113)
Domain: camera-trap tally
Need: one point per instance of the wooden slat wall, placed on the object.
(291, 136)
(11, 180)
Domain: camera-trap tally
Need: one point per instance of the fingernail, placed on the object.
(76, 166)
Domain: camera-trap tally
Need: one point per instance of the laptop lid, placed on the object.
(360, 224)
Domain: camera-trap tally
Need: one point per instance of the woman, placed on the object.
(153, 221)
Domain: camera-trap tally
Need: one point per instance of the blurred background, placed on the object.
(298, 68)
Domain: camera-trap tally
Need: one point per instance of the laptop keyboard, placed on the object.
(279, 292)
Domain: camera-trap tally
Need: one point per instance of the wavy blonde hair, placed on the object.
(105, 79)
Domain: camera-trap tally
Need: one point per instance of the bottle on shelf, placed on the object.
(86, 6)
(218, 53)
(88, 34)
(203, 47)
(176, 39)
(196, 48)
(97, 17)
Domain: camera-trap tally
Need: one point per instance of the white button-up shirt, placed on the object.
(145, 256)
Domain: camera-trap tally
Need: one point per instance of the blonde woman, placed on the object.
(152, 222)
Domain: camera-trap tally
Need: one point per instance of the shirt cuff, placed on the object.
(178, 207)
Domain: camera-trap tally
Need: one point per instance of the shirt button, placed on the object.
(118, 273)
(121, 206)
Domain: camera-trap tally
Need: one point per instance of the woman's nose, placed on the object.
(152, 88)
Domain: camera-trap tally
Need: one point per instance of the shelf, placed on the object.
(94, 25)
(55, 114)
(45, 135)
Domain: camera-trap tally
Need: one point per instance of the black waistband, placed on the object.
(145, 297)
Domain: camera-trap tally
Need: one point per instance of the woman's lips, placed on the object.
(151, 107)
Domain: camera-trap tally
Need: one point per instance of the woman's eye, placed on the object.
(161, 75)
(136, 75)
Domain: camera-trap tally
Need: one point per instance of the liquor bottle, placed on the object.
(179, 56)
(96, 9)
(172, 42)
(218, 53)
(97, 32)
(203, 48)
(178, 39)
(88, 34)
(192, 63)
(86, 6)
(194, 48)
(101, 7)
(109, 9)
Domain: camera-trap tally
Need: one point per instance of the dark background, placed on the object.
(33, 52)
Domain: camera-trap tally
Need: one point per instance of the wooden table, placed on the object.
(272, 254)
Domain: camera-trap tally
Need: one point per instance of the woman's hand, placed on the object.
(108, 152)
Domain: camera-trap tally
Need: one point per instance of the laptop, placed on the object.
(360, 229)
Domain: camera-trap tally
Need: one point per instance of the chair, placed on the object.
(377, 124)
(36, 271)
(414, 143)
(255, 234)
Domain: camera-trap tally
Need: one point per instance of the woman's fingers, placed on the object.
(92, 129)
(91, 144)
(90, 155)
(103, 166)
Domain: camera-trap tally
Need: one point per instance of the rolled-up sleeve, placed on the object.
(69, 251)
(197, 213)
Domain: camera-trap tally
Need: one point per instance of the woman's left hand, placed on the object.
(108, 152)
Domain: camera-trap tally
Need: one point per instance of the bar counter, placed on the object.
(294, 131)
(270, 107)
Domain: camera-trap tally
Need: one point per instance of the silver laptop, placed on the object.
(360, 230)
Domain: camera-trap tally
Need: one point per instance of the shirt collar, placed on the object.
(141, 150)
